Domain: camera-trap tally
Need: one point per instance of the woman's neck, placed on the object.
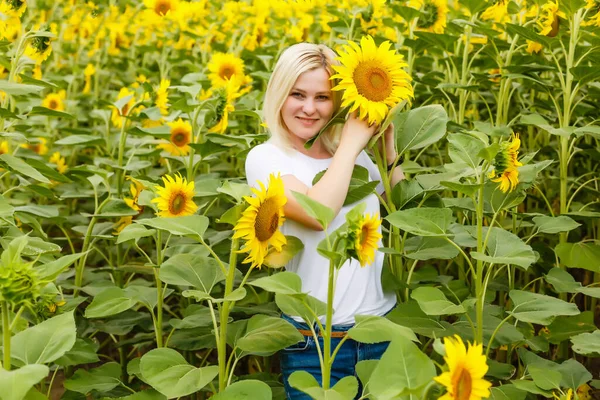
(317, 150)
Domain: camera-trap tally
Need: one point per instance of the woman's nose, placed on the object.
(309, 106)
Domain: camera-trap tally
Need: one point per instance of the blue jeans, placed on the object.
(303, 356)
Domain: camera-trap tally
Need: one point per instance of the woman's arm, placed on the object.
(332, 188)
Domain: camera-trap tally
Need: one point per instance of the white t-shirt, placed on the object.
(358, 289)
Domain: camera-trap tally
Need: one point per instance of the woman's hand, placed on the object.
(390, 144)
(356, 133)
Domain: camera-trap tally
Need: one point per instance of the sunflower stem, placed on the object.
(327, 361)
(6, 335)
(224, 316)
(479, 289)
(159, 290)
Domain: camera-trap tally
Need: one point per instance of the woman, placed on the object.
(298, 103)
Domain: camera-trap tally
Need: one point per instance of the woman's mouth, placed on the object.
(308, 121)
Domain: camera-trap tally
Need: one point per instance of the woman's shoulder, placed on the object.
(266, 150)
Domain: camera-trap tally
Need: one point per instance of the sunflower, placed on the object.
(39, 147)
(224, 68)
(162, 7)
(226, 97)
(506, 165)
(568, 395)
(121, 224)
(88, 72)
(181, 136)
(61, 164)
(38, 49)
(135, 189)
(466, 369)
(372, 79)
(593, 5)
(13, 8)
(176, 198)
(4, 148)
(260, 221)
(55, 101)
(433, 15)
(118, 114)
(162, 96)
(366, 239)
(549, 21)
(497, 11)
(533, 47)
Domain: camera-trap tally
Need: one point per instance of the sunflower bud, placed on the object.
(18, 283)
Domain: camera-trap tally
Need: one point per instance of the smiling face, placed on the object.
(309, 105)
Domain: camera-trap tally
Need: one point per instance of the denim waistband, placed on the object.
(334, 328)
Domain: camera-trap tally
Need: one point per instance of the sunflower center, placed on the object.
(463, 386)
(430, 16)
(226, 72)
(15, 4)
(267, 220)
(162, 7)
(555, 26)
(364, 236)
(40, 44)
(372, 82)
(179, 138)
(177, 204)
(53, 105)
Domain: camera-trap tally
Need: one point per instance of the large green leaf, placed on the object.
(564, 328)
(102, 379)
(504, 247)
(433, 301)
(15, 384)
(587, 343)
(579, 255)
(428, 248)
(318, 211)
(134, 232)
(423, 221)
(300, 305)
(14, 88)
(507, 392)
(191, 225)
(149, 394)
(266, 335)
(548, 224)
(110, 301)
(51, 270)
(249, 389)
(465, 148)
(421, 127)
(544, 378)
(168, 372)
(22, 167)
(402, 368)
(83, 352)
(45, 342)
(375, 329)
(284, 282)
(345, 389)
(538, 308)
(235, 190)
(197, 271)
(37, 110)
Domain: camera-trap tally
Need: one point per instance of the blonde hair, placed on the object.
(293, 62)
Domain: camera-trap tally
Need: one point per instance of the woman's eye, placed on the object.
(323, 97)
(298, 95)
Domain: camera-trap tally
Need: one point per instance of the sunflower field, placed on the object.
(138, 264)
